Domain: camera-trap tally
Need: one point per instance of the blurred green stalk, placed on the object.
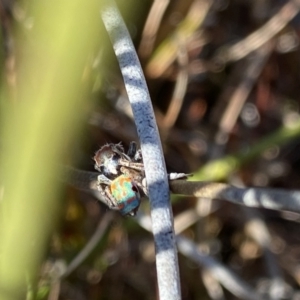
(36, 129)
(220, 169)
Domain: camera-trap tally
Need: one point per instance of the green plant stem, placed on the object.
(220, 169)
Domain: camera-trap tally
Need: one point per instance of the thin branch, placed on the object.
(220, 272)
(155, 170)
(180, 86)
(54, 290)
(212, 285)
(228, 279)
(257, 229)
(260, 36)
(188, 217)
(220, 169)
(252, 68)
(151, 28)
(276, 199)
(82, 180)
(185, 220)
(90, 246)
(165, 54)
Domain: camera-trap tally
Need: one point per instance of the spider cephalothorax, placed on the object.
(111, 157)
(107, 159)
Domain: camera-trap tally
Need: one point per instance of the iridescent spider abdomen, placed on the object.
(126, 194)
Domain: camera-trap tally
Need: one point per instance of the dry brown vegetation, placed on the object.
(224, 80)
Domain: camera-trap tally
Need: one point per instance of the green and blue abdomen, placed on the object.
(126, 194)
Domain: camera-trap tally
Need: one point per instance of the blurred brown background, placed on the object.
(224, 80)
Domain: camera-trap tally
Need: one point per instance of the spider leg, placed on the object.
(134, 153)
(132, 165)
(118, 149)
(104, 198)
(144, 186)
(132, 150)
(138, 156)
(102, 179)
(103, 187)
(137, 177)
(112, 204)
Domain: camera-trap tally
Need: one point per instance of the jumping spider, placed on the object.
(122, 179)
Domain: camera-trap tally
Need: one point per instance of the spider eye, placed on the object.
(115, 156)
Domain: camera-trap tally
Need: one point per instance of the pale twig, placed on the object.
(165, 54)
(180, 86)
(257, 229)
(276, 199)
(151, 27)
(226, 277)
(185, 220)
(254, 65)
(260, 36)
(54, 290)
(91, 244)
(212, 285)
(155, 169)
(82, 180)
